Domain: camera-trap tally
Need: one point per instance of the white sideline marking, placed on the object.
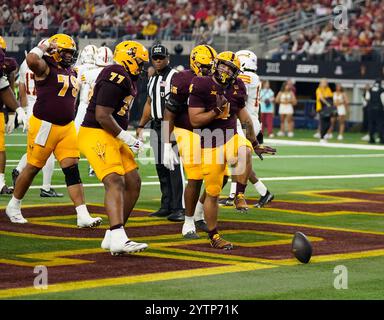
(326, 145)
(298, 178)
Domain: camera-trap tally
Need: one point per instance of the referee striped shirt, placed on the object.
(158, 89)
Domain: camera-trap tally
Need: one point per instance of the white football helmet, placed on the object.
(88, 54)
(104, 57)
(248, 60)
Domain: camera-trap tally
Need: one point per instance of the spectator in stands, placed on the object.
(324, 106)
(286, 100)
(284, 49)
(16, 28)
(86, 29)
(327, 33)
(317, 48)
(300, 48)
(267, 103)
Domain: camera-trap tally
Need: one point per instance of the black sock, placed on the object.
(212, 233)
(240, 188)
(117, 226)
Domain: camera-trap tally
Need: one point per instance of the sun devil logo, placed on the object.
(132, 51)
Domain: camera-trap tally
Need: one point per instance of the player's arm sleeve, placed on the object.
(107, 94)
(22, 73)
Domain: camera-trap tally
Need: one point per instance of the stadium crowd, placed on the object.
(174, 19)
(362, 40)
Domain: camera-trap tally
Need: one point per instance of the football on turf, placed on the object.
(301, 247)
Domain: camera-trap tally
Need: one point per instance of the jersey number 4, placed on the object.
(61, 78)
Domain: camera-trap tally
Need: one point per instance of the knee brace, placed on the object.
(72, 175)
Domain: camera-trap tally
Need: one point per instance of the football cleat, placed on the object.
(301, 247)
(128, 247)
(191, 235)
(106, 243)
(201, 225)
(88, 222)
(240, 203)
(267, 198)
(229, 202)
(51, 193)
(219, 243)
(6, 190)
(14, 214)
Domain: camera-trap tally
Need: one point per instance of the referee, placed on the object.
(171, 182)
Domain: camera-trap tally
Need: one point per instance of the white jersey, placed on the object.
(27, 77)
(88, 81)
(81, 69)
(253, 85)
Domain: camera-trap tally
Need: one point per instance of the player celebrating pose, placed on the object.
(201, 60)
(109, 148)
(248, 66)
(27, 91)
(51, 127)
(215, 103)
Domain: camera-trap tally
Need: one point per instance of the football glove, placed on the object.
(170, 157)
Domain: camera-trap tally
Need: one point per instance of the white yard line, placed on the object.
(278, 142)
(291, 156)
(298, 178)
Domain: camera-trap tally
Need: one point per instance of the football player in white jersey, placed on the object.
(87, 62)
(28, 97)
(248, 66)
(103, 58)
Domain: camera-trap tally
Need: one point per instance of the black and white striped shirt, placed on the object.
(158, 89)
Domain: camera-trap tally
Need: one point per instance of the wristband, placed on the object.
(141, 127)
(37, 51)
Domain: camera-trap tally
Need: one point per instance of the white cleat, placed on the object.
(340, 137)
(14, 214)
(106, 243)
(317, 135)
(88, 222)
(128, 247)
(189, 231)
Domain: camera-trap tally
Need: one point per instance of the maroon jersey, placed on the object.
(115, 89)
(56, 94)
(179, 93)
(203, 92)
(2, 58)
(10, 65)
